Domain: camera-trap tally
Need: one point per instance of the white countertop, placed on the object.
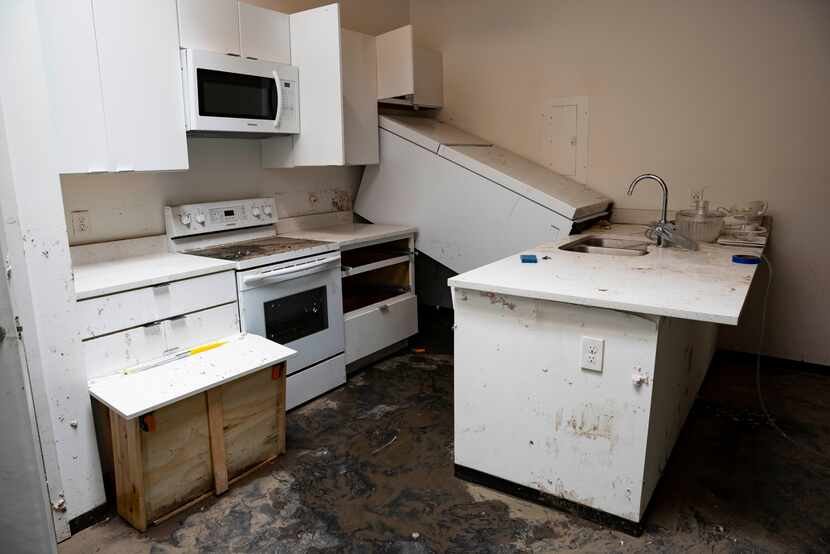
(134, 394)
(704, 285)
(107, 268)
(353, 235)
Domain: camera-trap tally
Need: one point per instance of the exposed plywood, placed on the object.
(129, 470)
(216, 426)
(251, 425)
(176, 456)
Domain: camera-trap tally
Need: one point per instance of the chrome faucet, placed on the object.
(663, 232)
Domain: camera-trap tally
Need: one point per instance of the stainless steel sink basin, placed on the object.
(610, 246)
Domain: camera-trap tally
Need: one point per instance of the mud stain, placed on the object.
(498, 299)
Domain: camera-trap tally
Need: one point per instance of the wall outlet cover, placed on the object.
(593, 353)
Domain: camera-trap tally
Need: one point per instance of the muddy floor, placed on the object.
(369, 468)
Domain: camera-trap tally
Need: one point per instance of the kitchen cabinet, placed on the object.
(132, 327)
(360, 107)
(114, 85)
(379, 303)
(142, 84)
(211, 25)
(408, 74)
(338, 106)
(264, 34)
(76, 101)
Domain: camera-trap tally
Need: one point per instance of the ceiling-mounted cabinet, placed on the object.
(408, 74)
(338, 106)
(236, 28)
(114, 84)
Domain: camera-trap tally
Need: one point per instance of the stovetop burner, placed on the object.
(257, 248)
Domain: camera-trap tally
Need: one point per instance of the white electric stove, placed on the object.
(289, 289)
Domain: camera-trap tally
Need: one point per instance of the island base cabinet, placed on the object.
(173, 457)
(528, 414)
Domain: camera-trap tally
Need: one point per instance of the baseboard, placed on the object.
(618, 523)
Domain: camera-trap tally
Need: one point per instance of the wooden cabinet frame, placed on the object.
(230, 452)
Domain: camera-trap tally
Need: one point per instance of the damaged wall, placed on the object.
(128, 205)
(728, 95)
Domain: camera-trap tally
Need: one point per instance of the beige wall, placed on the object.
(731, 95)
(126, 205)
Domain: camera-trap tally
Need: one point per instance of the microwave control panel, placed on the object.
(198, 219)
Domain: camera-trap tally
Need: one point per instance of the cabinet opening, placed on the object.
(375, 286)
(375, 253)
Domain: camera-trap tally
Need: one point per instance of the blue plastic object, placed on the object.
(528, 258)
(746, 259)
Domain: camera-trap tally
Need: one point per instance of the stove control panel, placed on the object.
(198, 219)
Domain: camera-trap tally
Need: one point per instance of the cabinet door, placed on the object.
(264, 34)
(360, 106)
(315, 50)
(211, 25)
(142, 84)
(75, 99)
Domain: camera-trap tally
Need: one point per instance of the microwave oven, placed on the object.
(227, 95)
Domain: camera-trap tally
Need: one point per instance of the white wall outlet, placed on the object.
(593, 351)
(80, 223)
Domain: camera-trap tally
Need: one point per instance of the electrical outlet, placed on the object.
(593, 351)
(80, 223)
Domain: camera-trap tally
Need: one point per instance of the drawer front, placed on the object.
(132, 308)
(376, 328)
(200, 327)
(109, 354)
(310, 383)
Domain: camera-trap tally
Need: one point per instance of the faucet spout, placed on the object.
(662, 183)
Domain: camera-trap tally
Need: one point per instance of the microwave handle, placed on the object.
(279, 99)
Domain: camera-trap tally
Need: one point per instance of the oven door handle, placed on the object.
(292, 272)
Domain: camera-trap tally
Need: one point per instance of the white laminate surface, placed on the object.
(117, 266)
(703, 285)
(353, 235)
(137, 393)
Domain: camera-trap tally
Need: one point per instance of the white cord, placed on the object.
(758, 373)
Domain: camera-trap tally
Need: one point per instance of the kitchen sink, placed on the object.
(610, 246)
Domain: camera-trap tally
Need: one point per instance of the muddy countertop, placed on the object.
(704, 285)
(111, 267)
(353, 235)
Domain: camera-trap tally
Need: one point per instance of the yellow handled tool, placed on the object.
(177, 356)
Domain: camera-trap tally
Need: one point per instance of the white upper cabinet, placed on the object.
(75, 100)
(338, 95)
(142, 84)
(115, 91)
(407, 73)
(315, 50)
(360, 107)
(264, 34)
(211, 25)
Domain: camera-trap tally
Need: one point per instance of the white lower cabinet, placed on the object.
(376, 327)
(123, 310)
(111, 353)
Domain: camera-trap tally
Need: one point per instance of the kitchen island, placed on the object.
(575, 374)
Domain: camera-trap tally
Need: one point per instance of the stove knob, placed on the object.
(267, 210)
(255, 211)
(200, 218)
(185, 218)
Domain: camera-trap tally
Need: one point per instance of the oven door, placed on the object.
(229, 94)
(298, 304)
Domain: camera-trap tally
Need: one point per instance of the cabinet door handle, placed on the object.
(384, 308)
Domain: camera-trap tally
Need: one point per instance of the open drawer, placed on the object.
(380, 325)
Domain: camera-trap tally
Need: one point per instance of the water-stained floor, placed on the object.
(369, 468)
